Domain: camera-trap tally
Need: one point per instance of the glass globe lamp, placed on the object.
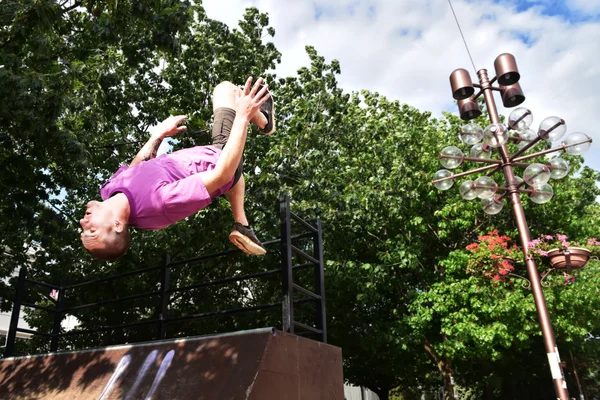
(527, 136)
(576, 149)
(492, 206)
(467, 191)
(471, 133)
(485, 187)
(445, 184)
(518, 179)
(559, 168)
(477, 151)
(455, 157)
(536, 175)
(523, 116)
(495, 135)
(552, 129)
(542, 194)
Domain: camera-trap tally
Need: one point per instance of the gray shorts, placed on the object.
(223, 122)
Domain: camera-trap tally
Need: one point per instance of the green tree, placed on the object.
(85, 81)
(364, 164)
(62, 66)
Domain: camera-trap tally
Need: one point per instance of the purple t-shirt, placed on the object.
(165, 189)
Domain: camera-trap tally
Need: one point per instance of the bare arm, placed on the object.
(148, 151)
(168, 127)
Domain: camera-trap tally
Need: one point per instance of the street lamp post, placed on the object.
(495, 137)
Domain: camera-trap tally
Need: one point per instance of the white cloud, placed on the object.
(406, 50)
(585, 6)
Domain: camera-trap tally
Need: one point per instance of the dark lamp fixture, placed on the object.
(512, 95)
(462, 86)
(469, 109)
(506, 69)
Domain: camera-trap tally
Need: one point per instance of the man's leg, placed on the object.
(242, 235)
(224, 98)
(247, 107)
(227, 136)
(235, 196)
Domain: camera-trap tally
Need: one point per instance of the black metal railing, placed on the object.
(317, 329)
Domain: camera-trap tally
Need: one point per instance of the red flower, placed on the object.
(473, 246)
(506, 265)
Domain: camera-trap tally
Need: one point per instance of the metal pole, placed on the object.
(14, 319)
(560, 385)
(163, 306)
(287, 302)
(58, 316)
(321, 320)
(581, 395)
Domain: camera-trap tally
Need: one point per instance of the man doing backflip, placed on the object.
(155, 192)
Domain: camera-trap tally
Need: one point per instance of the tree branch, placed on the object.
(71, 8)
(69, 217)
(436, 235)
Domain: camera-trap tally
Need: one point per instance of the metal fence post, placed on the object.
(163, 306)
(321, 321)
(16, 311)
(287, 303)
(58, 315)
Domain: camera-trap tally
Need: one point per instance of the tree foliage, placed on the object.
(102, 73)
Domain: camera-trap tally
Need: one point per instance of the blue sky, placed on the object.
(566, 10)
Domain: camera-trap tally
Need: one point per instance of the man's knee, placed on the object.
(224, 95)
(225, 89)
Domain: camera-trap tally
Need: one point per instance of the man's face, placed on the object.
(96, 224)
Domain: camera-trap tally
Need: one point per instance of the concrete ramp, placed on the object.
(261, 364)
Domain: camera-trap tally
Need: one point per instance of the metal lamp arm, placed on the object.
(552, 150)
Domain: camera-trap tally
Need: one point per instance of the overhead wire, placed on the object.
(462, 35)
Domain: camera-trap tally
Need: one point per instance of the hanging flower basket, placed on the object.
(492, 256)
(571, 258)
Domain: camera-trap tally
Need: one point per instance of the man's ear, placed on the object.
(118, 226)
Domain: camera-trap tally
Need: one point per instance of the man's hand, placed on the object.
(249, 99)
(169, 127)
